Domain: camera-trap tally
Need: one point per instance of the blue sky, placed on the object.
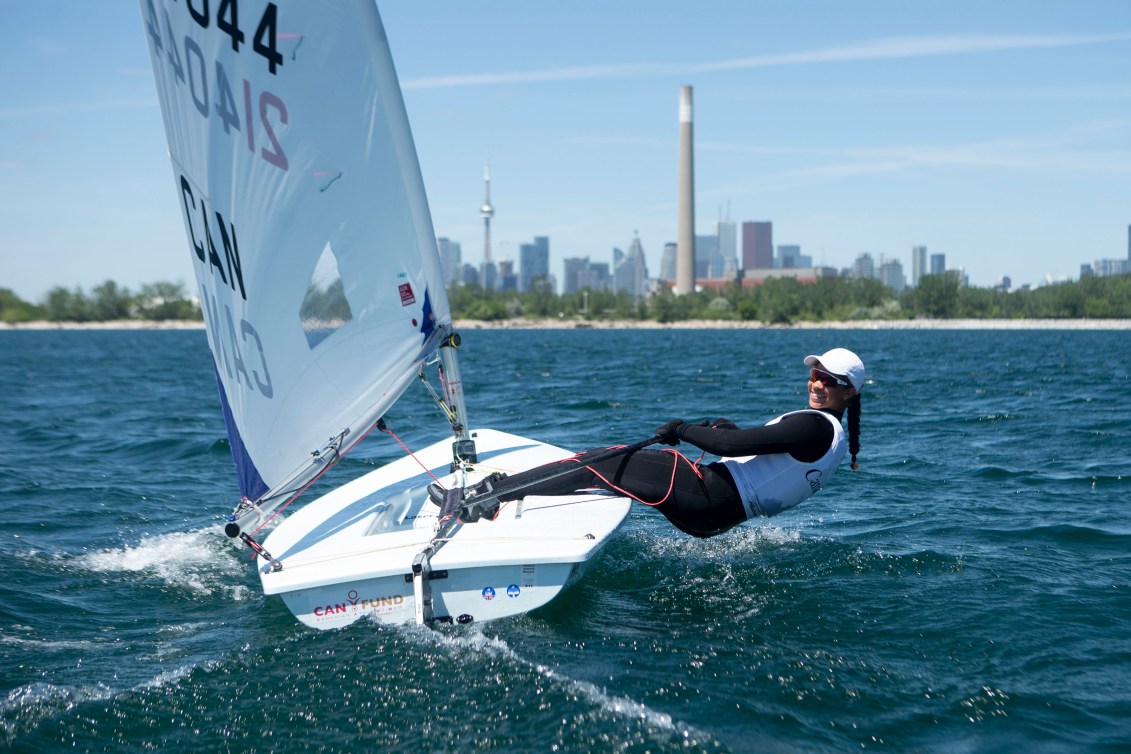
(998, 134)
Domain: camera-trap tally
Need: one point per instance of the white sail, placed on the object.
(306, 218)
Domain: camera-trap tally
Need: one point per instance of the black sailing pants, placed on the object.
(701, 504)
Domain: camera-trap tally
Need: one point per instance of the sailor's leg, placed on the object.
(583, 475)
(703, 504)
(699, 500)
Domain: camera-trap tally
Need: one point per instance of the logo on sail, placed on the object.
(813, 476)
(407, 297)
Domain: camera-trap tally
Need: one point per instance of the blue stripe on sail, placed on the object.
(428, 321)
(251, 483)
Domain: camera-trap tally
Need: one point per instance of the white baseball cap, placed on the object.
(841, 362)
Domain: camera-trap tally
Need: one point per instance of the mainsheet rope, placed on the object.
(410, 454)
(339, 454)
(676, 456)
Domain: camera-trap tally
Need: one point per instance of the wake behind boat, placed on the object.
(323, 298)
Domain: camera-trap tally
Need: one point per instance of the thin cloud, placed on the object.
(916, 47)
(1106, 92)
(576, 73)
(1062, 151)
(883, 49)
(49, 46)
(1019, 154)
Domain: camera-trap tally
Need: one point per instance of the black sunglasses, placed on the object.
(825, 378)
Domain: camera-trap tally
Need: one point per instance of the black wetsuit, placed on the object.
(703, 499)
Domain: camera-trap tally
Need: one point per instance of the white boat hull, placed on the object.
(349, 554)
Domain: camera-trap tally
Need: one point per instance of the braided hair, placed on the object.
(854, 428)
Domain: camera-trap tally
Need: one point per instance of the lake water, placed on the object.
(968, 589)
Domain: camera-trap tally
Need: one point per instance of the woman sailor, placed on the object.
(762, 472)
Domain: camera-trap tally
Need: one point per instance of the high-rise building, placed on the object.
(891, 275)
(488, 276)
(938, 264)
(449, 259)
(507, 279)
(864, 267)
(597, 277)
(1129, 243)
(790, 258)
(667, 262)
(757, 246)
(580, 274)
(1107, 267)
(534, 262)
(573, 271)
(918, 264)
(468, 275)
(631, 274)
(727, 248)
(706, 252)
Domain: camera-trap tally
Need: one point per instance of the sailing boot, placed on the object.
(436, 493)
(488, 507)
(486, 484)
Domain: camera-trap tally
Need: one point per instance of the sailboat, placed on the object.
(323, 299)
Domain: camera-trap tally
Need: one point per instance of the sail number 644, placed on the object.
(228, 22)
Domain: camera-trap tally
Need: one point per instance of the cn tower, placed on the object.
(486, 279)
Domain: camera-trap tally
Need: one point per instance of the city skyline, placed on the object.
(718, 260)
(994, 134)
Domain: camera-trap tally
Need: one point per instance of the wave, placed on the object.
(26, 707)
(656, 727)
(47, 645)
(1072, 536)
(200, 562)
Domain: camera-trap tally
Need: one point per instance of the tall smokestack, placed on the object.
(685, 240)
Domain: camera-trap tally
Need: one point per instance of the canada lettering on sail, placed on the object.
(238, 350)
(202, 239)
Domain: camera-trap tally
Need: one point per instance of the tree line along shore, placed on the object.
(777, 302)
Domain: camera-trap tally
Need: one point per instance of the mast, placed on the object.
(463, 447)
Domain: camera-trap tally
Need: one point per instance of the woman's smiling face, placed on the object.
(827, 391)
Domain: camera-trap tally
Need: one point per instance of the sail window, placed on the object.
(325, 308)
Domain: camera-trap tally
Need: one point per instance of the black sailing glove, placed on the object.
(723, 423)
(669, 433)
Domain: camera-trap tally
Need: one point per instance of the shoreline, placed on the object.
(871, 324)
(523, 323)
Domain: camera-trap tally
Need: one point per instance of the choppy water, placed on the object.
(969, 589)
